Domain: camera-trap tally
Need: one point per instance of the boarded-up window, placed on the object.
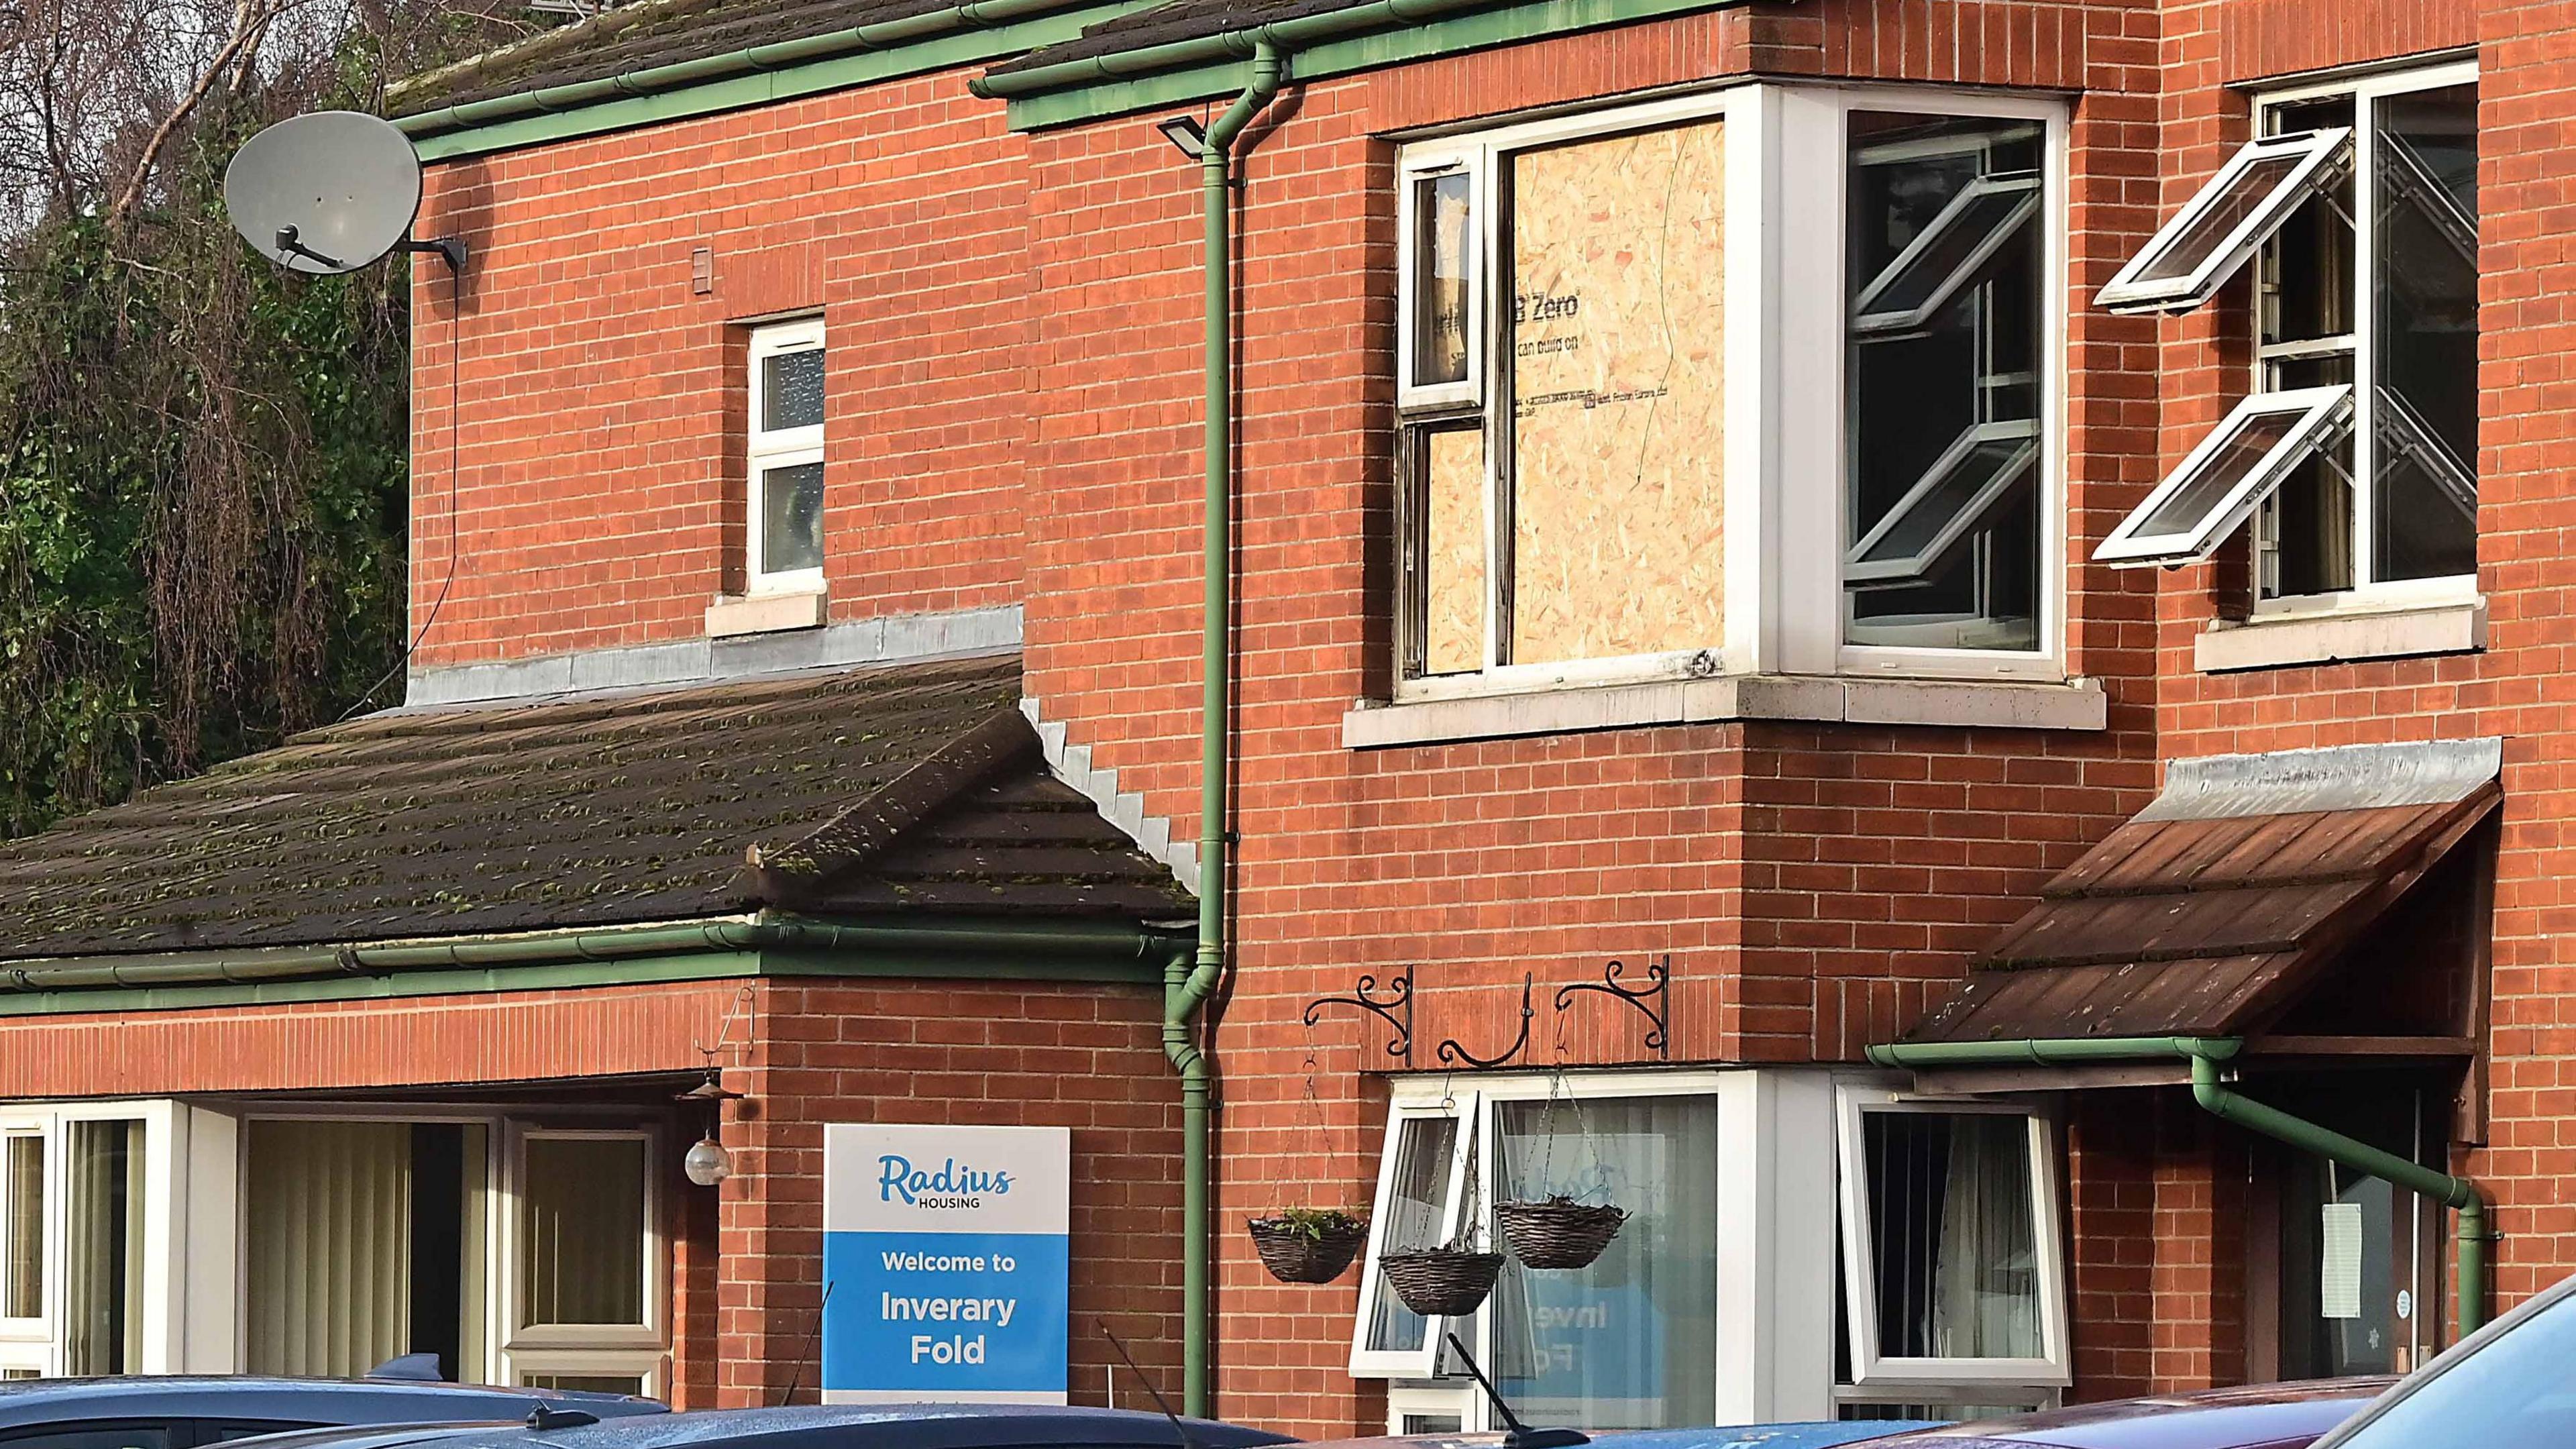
(1618, 331)
(1566, 497)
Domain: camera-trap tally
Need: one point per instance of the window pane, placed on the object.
(581, 1251)
(2307, 533)
(1416, 1208)
(1455, 586)
(1626, 1343)
(791, 390)
(1949, 253)
(26, 1247)
(1921, 396)
(2426, 310)
(1441, 238)
(1618, 431)
(327, 1219)
(1923, 532)
(2308, 264)
(103, 1260)
(791, 518)
(1952, 1236)
(2246, 194)
(2243, 451)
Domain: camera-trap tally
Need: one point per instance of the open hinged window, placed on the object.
(1420, 1193)
(1916, 539)
(2188, 258)
(1954, 250)
(1953, 1270)
(2228, 475)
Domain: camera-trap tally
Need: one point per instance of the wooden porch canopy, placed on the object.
(2231, 903)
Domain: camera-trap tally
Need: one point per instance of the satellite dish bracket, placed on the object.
(450, 249)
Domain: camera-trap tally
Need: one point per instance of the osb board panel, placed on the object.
(1618, 386)
(1453, 491)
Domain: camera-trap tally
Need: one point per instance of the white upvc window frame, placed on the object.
(2322, 416)
(1482, 156)
(764, 449)
(25, 1341)
(1787, 300)
(2367, 592)
(1366, 1362)
(1806, 424)
(2318, 157)
(1873, 1372)
(579, 1347)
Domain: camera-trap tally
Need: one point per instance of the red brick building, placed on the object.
(1694, 474)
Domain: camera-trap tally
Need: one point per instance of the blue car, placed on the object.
(1817, 1435)
(178, 1412)
(565, 1425)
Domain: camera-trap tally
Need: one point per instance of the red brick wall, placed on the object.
(596, 498)
(746, 1258)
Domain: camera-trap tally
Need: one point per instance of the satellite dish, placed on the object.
(324, 193)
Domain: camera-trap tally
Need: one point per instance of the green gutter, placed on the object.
(2205, 1054)
(959, 35)
(1184, 994)
(1366, 37)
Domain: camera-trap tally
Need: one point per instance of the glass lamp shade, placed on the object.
(707, 1162)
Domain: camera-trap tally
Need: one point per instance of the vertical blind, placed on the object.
(581, 1236)
(25, 1207)
(328, 1208)
(103, 1260)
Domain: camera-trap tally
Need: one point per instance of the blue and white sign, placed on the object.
(944, 1249)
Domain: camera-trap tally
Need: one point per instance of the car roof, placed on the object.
(1816, 1434)
(838, 1426)
(2237, 1418)
(25, 1402)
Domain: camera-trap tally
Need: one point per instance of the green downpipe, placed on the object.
(1186, 991)
(2215, 1097)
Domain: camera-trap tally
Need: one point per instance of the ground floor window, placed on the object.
(172, 1237)
(1747, 1192)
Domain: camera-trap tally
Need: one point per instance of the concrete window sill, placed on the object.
(2283, 640)
(732, 615)
(2075, 705)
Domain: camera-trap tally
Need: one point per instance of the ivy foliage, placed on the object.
(202, 470)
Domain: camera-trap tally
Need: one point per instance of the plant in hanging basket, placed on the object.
(1441, 1281)
(1308, 1245)
(1558, 1232)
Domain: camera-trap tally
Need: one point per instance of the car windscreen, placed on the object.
(2513, 1392)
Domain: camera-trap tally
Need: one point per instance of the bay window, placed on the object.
(2355, 457)
(1634, 345)
(1748, 1191)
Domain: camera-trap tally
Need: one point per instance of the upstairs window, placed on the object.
(1946, 327)
(784, 508)
(1562, 391)
(2356, 457)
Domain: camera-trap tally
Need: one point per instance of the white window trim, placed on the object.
(517, 1339)
(780, 448)
(2323, 414)
(1807, 465)
(22, 1340)
(2367, 592)
(1367, 1362)
(651, 1366)
(1784, 410)
(1869, 1370)
(2319, 153)
(1482, 155)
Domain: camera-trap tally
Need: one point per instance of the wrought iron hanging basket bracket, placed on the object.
(1653, 1000)
(1452, 1054)
(1394, 1007)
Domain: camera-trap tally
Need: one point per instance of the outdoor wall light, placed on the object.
(707, 1162)
(1186, 135)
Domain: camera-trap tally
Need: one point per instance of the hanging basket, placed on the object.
(1558, 1232)
(1307, 1253)
(1441, 1282)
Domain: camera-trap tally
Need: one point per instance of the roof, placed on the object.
(28, 1402)
(839, 1426)
(2260, 1416)
(1162, 24)
(637, 37)
(2216, 907)
(915, 787)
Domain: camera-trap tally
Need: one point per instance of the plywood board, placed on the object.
(1618, 387)
(1453, 492)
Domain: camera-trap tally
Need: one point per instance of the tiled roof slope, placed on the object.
(894, 788)
(1161, 24)
(637, 37)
